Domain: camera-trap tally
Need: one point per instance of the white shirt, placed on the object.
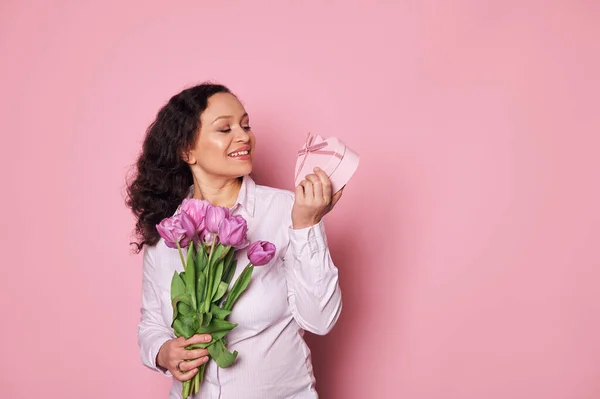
(298, 290)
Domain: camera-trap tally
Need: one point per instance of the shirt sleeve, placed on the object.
(152, 331)
(314, 294)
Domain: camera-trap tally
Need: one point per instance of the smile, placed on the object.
(239, 153)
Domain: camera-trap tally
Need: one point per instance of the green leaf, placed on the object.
(191, 252)
(229, 266)
(221, 290)
(184, 327)
(229, 257)
(239, 287)
(176, 326)
(201, 260)
(207, 318)
(221, 355)
(214, 273)
(183, 299)
(219, 335)
(218, 312)
(208, 288)
(184, 309)
(216, 325)
(219, 252)
(190, 276)
(177, 285)
(216, 280)
(200, 287)
(190, 325)
(229, 273)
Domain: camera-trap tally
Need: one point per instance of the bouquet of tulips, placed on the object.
(201, 295)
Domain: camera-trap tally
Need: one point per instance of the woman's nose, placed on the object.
(242, 135)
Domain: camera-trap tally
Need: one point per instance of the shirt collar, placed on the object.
(246, 197)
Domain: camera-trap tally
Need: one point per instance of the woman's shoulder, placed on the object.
(156, 252)
(151, 251)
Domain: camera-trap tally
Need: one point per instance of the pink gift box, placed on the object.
(337, 160)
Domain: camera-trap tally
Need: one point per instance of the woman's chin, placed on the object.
(243, 170)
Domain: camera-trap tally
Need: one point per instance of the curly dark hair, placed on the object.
(162, 178)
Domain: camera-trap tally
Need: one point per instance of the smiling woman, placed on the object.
(201, 146)
(225, 143)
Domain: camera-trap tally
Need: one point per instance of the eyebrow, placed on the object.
(228, 116)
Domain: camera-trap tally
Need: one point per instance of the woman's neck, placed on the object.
(219, 193)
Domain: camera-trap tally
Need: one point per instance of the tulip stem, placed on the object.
(198, 379)
(212, 247)
(209, 277)
(181, 255)
(186, 389)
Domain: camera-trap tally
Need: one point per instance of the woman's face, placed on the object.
(225, 144)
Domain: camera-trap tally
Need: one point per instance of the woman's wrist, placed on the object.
(159, 360)
(300, 225)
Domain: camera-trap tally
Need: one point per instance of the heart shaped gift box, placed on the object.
(337, 160)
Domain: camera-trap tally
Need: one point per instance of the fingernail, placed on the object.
(205, 359)
(207, 338)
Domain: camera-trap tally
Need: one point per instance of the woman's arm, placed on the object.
(152, 332)
(313, 290)
(314, 295)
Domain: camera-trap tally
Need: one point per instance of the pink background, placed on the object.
(468, 240)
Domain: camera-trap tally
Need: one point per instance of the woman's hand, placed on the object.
(314, 200)
(183, 363)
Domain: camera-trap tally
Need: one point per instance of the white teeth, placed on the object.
(239, 153)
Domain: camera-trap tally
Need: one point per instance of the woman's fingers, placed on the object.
(194, 354)
(325, 184)
(181, 362)
(188, 365)
(299, 192)
(308, 190)
(317, 186)
(196, 339)
(185, 375)
(313, 199)
(188, 369)
(336, 197)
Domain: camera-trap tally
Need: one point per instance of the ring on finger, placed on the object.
(179, 368)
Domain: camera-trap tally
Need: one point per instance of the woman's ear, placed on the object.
(189, 157)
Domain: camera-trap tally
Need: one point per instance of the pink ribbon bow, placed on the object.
(314, 148)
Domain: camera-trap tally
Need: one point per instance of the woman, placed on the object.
(201, 146)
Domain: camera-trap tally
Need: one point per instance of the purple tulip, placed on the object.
(207, 237)
(172, 231)
(214, 216)
(188, 225)
(261, 252)
(232, 231)
(196, 209)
